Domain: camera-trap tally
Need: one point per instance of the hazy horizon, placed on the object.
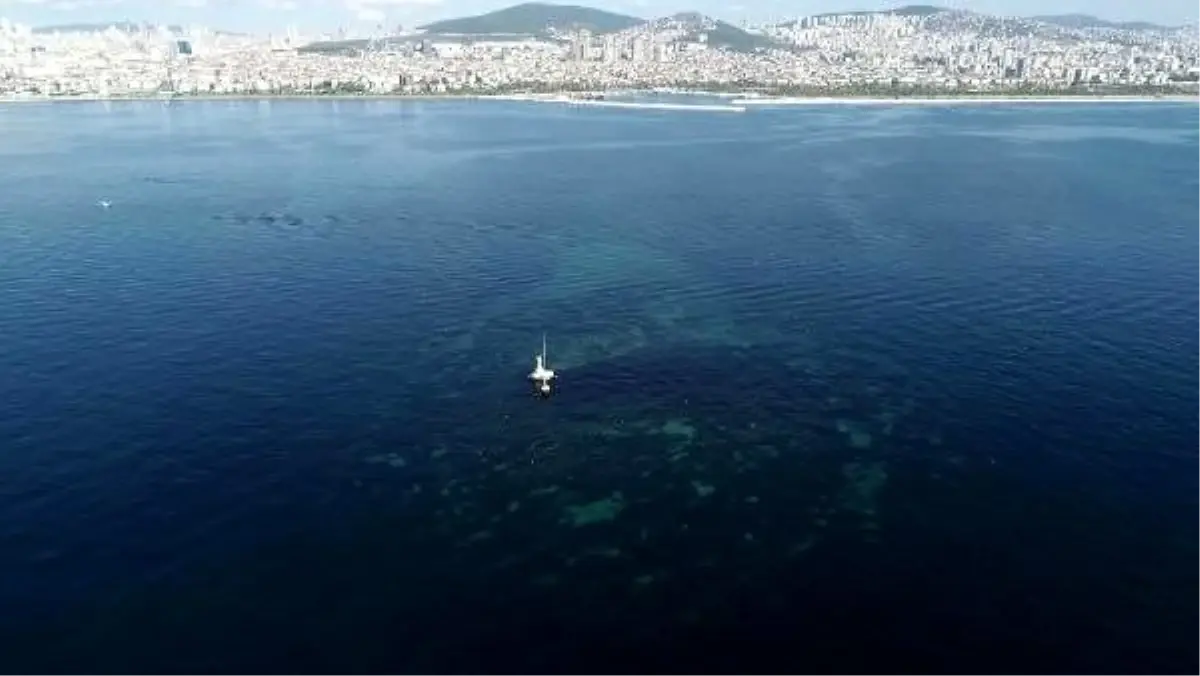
(317, 15)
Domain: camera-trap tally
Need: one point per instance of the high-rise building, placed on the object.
(641, 49)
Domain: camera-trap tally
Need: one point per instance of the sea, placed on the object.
(841, 388)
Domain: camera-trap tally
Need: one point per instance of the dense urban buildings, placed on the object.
(917, 49)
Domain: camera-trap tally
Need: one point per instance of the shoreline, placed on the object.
(731, 101)
(156, 98)
(643, 105)
(783, 101)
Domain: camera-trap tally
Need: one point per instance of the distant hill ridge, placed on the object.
(1077, 21)
(906, 10)
(541, 19)
(538, 18)
(100, 27)
(1089, 21)
(535, 18)
(122, 26)
(717, 33)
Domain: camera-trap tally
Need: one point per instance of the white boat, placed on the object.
(541, 376)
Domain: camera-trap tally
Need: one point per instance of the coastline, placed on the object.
(151, 98)
(731, 101)
(645, 105)
(763, 102)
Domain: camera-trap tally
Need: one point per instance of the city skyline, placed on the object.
(323, 15)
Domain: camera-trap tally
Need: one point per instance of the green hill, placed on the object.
(918, 10)
(735, 39)
(718, 34)
(534, 18)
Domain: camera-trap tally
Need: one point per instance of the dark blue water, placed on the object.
(842, 388)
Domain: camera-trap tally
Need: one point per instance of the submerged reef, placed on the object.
(646, 483)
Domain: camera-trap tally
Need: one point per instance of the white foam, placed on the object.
(945, 100)
(645, 105)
